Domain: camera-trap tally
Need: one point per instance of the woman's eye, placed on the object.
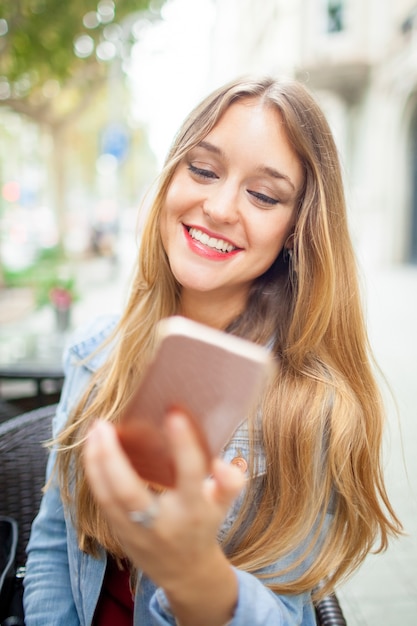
(201, 172)
(263, 198)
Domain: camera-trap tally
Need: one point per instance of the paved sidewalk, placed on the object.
(384, 591)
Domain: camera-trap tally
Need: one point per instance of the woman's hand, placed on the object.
(179, 551)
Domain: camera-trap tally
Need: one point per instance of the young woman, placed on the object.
(247, 233)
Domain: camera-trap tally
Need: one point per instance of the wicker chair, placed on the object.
(22, 468)
(22, 475)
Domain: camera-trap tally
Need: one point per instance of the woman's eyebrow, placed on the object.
(211, 148)
(270, 171)
(263, 169)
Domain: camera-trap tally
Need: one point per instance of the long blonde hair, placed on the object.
(322, 417)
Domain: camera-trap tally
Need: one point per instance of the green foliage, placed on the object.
(38, 46)
(49, 276)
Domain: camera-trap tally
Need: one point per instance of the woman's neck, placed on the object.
(206, 309)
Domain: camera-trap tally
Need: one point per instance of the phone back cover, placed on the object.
(213, 385)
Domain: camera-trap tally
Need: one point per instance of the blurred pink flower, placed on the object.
(60, 297)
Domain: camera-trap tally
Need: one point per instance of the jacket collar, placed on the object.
(87, 344)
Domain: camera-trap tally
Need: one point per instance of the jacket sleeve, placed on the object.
(257, 605)
(48, 598)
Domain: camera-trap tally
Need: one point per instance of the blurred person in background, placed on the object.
(247, 233)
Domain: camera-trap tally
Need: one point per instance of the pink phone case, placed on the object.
(212, 376)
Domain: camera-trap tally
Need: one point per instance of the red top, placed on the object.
(115, 604)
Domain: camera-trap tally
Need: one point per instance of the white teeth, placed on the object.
(211, 242)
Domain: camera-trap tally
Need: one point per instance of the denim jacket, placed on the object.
(63, 584)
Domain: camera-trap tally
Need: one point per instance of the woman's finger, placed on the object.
(112, 479)
(193, 468)
(191, 460)
(226, 484)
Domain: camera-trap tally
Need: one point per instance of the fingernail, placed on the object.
(96, 431)
(177, 422)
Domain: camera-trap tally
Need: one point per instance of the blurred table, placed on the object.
(31, 357)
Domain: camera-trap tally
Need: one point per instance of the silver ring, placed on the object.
(147, 517)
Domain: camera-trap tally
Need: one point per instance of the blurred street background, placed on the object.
(91, 94)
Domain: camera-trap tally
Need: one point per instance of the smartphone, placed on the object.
(212, 376)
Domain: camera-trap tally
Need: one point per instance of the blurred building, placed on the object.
(360, 59)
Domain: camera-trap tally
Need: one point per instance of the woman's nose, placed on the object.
(222, 204)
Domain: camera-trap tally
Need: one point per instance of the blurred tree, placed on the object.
(55, 56)
(54, 53)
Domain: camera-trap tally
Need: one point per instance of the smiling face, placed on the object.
(230, 207)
